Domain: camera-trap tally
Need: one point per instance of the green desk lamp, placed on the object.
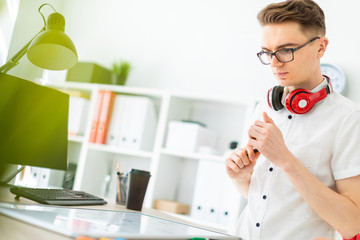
(50, 49)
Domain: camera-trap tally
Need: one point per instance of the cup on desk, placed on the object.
(137, 188)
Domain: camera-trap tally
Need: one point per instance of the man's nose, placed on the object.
(275, 62)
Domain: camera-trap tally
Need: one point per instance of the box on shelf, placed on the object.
(171, 206)
(89, 73)
(189, 136)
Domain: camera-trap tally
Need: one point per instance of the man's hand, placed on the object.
(240, 165)
(241, 162)
(268, 139)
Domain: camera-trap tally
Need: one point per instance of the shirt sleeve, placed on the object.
(346, 157)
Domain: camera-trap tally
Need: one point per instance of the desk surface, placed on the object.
(13, 229)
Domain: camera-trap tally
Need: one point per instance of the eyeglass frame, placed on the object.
(291, 49)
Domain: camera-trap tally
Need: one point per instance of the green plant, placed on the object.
(121, 69)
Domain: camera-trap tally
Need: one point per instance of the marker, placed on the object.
(84, 238)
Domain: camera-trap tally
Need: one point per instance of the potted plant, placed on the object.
(121, 70)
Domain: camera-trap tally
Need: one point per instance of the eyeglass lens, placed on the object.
(283, 55)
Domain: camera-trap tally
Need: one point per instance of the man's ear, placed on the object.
(324, 41)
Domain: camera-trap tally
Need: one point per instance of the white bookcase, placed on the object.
(173, 173)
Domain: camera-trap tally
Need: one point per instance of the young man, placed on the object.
(304, 180)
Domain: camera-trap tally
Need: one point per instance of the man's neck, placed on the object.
(310, 84)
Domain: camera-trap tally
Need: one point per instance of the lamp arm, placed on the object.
(16, 58)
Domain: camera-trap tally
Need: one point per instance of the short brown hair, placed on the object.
(305, 12)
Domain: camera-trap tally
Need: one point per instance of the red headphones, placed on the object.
(299, 101)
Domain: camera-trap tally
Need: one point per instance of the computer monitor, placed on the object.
(33, 124)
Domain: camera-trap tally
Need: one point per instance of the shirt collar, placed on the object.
(323, 84)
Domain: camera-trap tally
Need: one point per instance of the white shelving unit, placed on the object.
(173, 173)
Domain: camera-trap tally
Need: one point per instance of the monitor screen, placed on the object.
(33, 124)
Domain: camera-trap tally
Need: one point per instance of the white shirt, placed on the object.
(326, 140)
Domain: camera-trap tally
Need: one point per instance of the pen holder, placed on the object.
(121, 189)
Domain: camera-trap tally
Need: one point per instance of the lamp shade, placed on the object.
(53, 49)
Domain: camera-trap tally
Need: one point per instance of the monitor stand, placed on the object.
(8, 172)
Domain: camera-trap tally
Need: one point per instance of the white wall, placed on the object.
(195, 45)
(187, 45)
(8, 13)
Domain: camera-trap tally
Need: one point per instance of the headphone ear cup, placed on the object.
(299, 101)
(274, 98)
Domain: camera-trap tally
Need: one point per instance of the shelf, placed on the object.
(117, 150)
(224, 115)
(78, 139)
(110, 87)
(196, 156)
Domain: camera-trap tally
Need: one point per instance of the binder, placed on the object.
(229, 198)
(133, 124)
(140, 123)
(113, 137)
(96, 116)
(214, 194)
(104, 117)
(78, 109)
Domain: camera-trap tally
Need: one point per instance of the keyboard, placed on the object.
(64, 197)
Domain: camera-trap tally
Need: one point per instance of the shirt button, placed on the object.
(271, 169)
(257, 224)
(289, 117)
(264, 197)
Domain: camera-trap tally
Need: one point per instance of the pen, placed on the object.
(119, 174)
(255, 151)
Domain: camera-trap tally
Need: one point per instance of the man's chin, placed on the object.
(283, 82)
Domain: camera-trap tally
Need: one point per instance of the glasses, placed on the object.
(282, 55)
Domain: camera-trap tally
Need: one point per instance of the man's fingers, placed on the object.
(230, 164)
(245, 160)
(250, 152)
(240, 157)
(237, 160)
(256, 131)
(267, 118)
(238, 151)
(239, 163)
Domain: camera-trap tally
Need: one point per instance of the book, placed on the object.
(96, 116)
(104, 116)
